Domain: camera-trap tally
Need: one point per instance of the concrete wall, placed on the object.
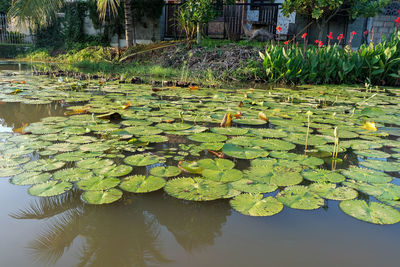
(383, 26)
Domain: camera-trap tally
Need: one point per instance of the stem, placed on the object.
(308, 132)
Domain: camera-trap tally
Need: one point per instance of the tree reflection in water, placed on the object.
(124, 233)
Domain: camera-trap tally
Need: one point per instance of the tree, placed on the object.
(198, 12)
(41, 12)
(322, 11)
(4, 5)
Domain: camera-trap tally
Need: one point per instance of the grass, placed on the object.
(213, 43)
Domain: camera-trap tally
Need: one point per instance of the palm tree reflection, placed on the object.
(126, 233)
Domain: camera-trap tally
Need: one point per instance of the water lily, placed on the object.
(370, 126)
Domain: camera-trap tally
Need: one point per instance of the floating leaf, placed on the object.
(330, 191)
(101, 197)
(96, 183)
(142, 184)
(93, 163)
(190, 167)
(30, 178)
(114, 171)
(222, 175)
(367, 176)
(373, 212)
(72, 174)
(243, 152)
(385, 166)
(250, 186)
(141, 160)
(300, 197)
(217, 164)
(229, 131)
(256, 205)
(208, 137)
(323, 176)
(196, 189)
(50, 188)
(169, 171)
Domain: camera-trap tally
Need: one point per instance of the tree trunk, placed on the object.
(198, 33)
(128, 23)
(321, 27)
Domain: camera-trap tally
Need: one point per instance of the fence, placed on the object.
(229, 24)
(10, 37)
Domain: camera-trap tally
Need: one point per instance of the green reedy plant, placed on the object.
(332, 64)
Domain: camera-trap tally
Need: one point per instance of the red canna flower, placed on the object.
(330, 36)
(287, 42)
(366, 32)
(304, 35)
(320, 44)
(340, 37)
(397, 20)
(316, 41)
(279, 29)
(398, 11)
(353, 33)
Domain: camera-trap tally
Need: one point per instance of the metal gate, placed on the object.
(232, 18)
(11, 37)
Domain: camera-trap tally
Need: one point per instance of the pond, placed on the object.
(74, 183)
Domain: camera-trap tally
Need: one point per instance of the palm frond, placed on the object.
(104, 6)
(34, 12)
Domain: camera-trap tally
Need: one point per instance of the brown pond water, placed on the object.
(155, 229)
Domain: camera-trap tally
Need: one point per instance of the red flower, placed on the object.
(279, 29)
(353, 33)
(366, 32)
(398, 11)
(330, 36)
(340, 37)
(316, 41)
(287, 42)
(304, 35)
(320, 43)
(397, 20)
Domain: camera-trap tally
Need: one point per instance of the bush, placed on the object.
(378, 64)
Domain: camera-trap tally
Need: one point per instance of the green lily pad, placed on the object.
(114, 171)
(208, 137)
(50, 188)
(154, 139)
(142, 184)
(44, 165)
(222, 175)
(76, 130)
(256, 205)
(174, 126)
(323, 176)
(379, 191)
(251, 186)
(141, 160)
(81, 139)
(385, 166)
(367, 175)
(330, 191)
(161, 171)
(217, 164)
(97, 183)
(93, 163)
(243, 152)
(7, 172)
(250, 121)
(276, 145)
(63, 147)
(229, 131)
(102, 197)
(372, 154)
(374, 212)
(72, 174)
(30, 178)
(196, 189)
(190, 167)
(300, 197)
(94, 147)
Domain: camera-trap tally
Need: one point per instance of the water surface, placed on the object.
(155, 229)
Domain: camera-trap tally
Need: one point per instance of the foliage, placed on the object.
(4, 5)
(324, 10)
(378, 64)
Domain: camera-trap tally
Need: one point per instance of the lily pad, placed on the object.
(169, 171)
(50, 188)
(331, 191)
(372, 154)
(367, 175)
(222, 175)
(256, 205)
(102, 197)
(374, 212)
(230, 131)
(217, 164)
(323, 176)
(196, 189)
(208, 137)
(141, 160)
(72, 174)
(97, 183)
(251, 186)
(243, 152)
(385, 166)
(300, 197)
(142, 184)
(30, 178)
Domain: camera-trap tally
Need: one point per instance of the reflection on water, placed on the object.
(125, 234)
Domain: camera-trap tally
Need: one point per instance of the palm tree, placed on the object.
(41, 12)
